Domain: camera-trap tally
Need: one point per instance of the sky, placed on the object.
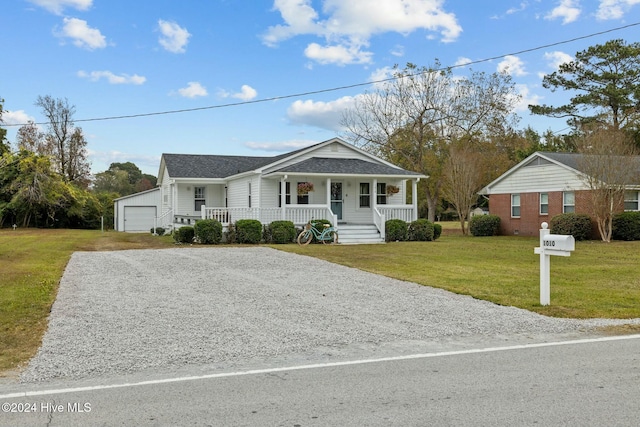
(263, 77)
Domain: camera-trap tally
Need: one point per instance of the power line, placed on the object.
(338, 88)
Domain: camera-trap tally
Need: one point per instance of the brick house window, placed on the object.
(568, 202)
(544, 203)
(631, 201)
(515, 205)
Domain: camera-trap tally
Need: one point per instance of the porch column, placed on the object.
(329, 193)
(414, 197)
(374, 195)
(283, 197)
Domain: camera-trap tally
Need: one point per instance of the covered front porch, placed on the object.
(344, 200)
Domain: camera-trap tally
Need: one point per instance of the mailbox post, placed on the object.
(551, 244)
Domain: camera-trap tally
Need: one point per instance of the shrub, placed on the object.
(437, 231)
(184, 234)
(421, 230)
(248, 231)
(280, 232)
(626, 226)
(208, 231)
(395, 230)
(159, 231)
(484, 225)
(577, 225)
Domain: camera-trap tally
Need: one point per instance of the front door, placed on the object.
(336, 199)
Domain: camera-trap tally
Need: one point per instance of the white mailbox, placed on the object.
(551, 244)
(559, 242)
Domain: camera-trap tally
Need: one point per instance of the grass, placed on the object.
(31, 264)
(598, 280)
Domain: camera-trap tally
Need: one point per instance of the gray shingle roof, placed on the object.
(344, 167)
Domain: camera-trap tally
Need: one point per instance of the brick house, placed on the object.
(538, 188)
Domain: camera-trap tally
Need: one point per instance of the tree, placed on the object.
(607, 81)
(69, 147)
(462, 179)
(412, 118)
(4, 145)
(609, 167)
(124, 179)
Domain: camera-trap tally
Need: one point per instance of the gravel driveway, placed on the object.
(124, 312)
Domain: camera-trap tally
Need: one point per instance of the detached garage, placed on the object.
(137, 213)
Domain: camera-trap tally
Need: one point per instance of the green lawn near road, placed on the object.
(597, 280)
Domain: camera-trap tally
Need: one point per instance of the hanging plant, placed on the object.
(392, 189)
(305, 187)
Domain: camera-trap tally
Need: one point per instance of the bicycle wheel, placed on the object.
(305, 237)
(333, 238)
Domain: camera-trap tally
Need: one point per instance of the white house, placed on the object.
(348, 186)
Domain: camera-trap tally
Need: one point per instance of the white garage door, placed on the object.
(139, 218)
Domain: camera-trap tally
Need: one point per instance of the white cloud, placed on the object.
(193, 90)
(174, 38)
(557, 58)
(324, 115)
(398, 50)
(340, 55)
(568, 10)
(462, 61)
(347, 26)
(58, 6)
(112, 78)
(280, 147)
(247, 93)
(512, 65)
(614, 9)
(526, 98)
(82, 35)
(18, 117)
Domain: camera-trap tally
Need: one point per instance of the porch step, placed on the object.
(358, 234)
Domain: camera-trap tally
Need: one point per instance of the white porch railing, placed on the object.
(165, 220)
(301, 214)
(298, 214)
(379, 220)
(403, 212)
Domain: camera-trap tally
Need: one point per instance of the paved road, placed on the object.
(591, 382)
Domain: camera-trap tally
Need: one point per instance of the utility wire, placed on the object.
(339, 88)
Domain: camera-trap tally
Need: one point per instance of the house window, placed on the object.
(515, 205)
(631, 201)
(303, 199)
(287, 194)
(249, 194)
(544, 203)
(381, 197)
(568, 202)
(198, 196)
(365, 195)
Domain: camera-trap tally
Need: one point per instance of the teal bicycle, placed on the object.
(327, 236)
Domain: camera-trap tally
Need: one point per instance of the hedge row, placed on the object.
(420, 230)
(249, 231)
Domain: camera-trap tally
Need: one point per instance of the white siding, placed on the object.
(538, 178)
(238, 192)
(166, 193)
(146, 198)
(333, 150)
